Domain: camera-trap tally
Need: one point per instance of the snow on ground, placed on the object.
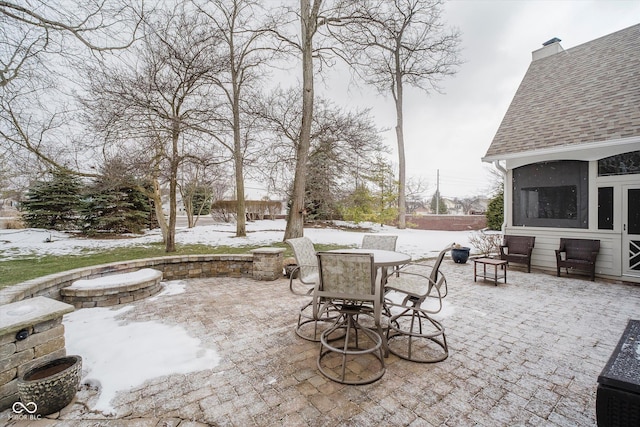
(120, 356)
(36, 242)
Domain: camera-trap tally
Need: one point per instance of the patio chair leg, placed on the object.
(416, 332)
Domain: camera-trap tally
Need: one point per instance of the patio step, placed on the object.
(113, 289)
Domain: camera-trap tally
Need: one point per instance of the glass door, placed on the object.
(631, 230)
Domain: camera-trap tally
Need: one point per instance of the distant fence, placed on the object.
(447, 222)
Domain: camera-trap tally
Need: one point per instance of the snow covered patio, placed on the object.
(523, 353)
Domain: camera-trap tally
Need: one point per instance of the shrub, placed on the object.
(486, 243)
(495, 212)
(14, 224)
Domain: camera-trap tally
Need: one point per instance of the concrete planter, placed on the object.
(51, 386)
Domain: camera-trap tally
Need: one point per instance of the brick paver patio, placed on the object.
(523, 353)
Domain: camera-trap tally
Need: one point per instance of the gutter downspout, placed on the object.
(501, 168)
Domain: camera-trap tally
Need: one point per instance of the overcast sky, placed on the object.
(452, 131)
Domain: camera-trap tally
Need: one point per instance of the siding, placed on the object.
(548, 240)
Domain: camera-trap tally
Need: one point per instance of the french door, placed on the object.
(631, 230)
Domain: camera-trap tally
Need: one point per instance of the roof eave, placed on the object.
(585, 151)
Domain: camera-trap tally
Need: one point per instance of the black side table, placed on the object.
(618, 397)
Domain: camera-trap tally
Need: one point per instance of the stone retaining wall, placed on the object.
(31, 334)
(172, 267)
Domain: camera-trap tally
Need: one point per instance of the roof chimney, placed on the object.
(550, 47)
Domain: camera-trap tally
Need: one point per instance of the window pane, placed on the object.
(620, 164)
(550, 202)
(551, 194)
(633, 211)
(605, 208)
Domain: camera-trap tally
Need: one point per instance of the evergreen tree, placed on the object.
(321, 187)
(55, 204)
(386, 191)
(116, 204)
(201, 201)
(495, 212)
(437, 204)
(359, 206)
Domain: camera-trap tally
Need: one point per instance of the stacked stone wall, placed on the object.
(31, 334)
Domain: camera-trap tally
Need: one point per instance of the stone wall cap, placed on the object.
(267, 250)
(115, 280)
(21, 314)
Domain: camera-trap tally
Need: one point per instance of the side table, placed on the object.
(484, 275)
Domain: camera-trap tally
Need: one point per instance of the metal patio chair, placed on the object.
(413, 334)
(306, 272)
(351, 352)
(385, 242)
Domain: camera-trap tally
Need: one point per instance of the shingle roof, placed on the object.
(589, 93)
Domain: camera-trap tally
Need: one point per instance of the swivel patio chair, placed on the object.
(350, 351)
(413, 333)
(385, 242)
(306, 272)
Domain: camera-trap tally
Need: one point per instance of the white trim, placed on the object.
(585, 151)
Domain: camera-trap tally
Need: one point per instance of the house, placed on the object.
(569, 146)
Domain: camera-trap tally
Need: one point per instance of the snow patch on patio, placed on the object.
(120, 356)
(173, 287)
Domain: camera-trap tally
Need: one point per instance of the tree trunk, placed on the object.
(187, 202)
(295, 217)
(157, 204)
(402, 179)
(170, 244)
(241, 225)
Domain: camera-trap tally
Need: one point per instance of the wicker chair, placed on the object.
(518, 250)
(579, 254)
(348, 285)
(412, 330)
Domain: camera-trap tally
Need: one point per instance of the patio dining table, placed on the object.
(381, 258)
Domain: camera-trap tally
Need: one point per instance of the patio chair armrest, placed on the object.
(291, 288)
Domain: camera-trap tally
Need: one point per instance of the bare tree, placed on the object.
(312, 15)
(414, 194)
(343, 146)
(246, 52)
(162, 100)
(391, 43)
(199, 177)
(33, 30)
(37, 39)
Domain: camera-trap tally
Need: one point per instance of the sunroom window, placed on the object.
(551, 194)
(620, 164)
